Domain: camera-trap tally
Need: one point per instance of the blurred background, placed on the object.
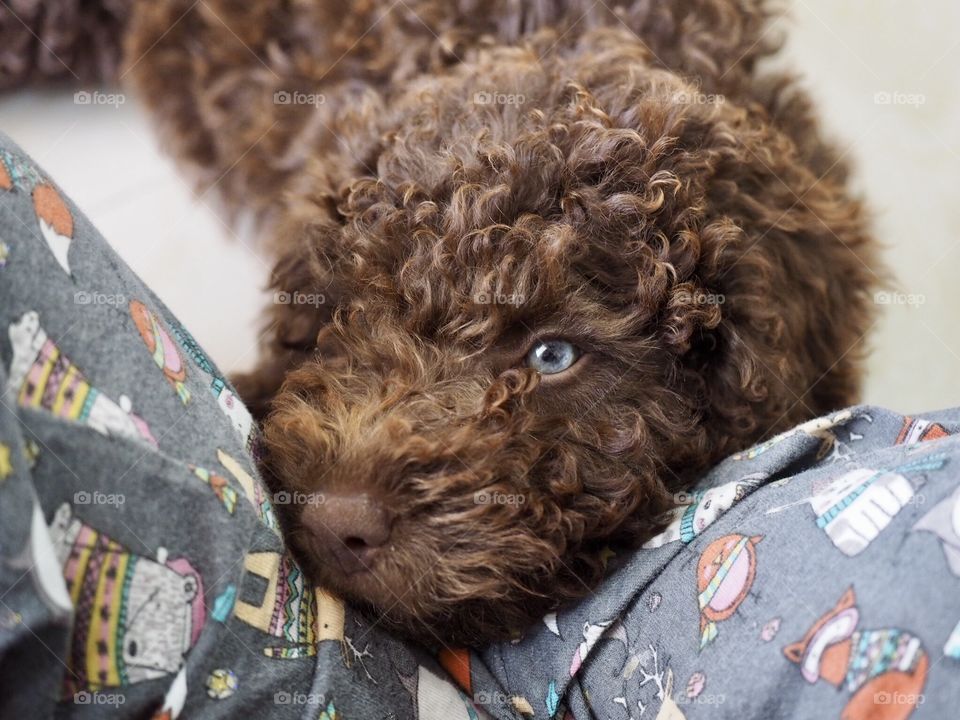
(884, 74)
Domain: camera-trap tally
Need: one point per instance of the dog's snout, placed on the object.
(352, 528)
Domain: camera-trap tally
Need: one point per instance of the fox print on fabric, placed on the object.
(884, 670)
(53, 216)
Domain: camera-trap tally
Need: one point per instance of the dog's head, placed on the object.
(555, 290)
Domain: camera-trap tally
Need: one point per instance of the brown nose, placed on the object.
(351, 528)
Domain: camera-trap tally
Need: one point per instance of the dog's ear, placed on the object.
(796, 291)
(305, 295)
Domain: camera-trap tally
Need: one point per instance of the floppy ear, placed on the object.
(304, 295)
(797, 309)
(791, 254)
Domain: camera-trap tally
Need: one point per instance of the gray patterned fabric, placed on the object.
(142, 573)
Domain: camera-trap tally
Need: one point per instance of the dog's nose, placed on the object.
(351, 528)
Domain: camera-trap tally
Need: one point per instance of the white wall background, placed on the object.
(854, 56)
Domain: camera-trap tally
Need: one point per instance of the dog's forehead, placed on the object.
(499, 217)
(476, 274)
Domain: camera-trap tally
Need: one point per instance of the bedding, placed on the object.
(142, 572)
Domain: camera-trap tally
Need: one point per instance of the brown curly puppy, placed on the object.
(539, 265)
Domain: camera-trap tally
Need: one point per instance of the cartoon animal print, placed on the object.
(916, 430)
(592, 632)
(236, 412)
(53, 215)
(302, 616)
(254, 491)
(38, 558)
(944, 522)
(821, 428)
(135, 618)
(435, 698)
(229, 403)
(162, 348)
(725, 575)
(635, 655)
(456, 661)
(550, 620)
(704, 507)
(221, 489)
(645, 666)
(42, 377)
(669, 710)
(869, 664)
(856, 507)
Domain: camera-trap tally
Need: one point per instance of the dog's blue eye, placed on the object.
(552, 356)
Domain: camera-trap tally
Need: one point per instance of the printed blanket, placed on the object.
(142, 572)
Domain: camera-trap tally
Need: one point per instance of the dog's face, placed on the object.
(508, 409)
(508, 412)
(539, 321)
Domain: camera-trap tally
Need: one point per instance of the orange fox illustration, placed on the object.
(884, 669)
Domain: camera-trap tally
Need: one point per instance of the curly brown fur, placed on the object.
(55, 40)
(705, 253)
